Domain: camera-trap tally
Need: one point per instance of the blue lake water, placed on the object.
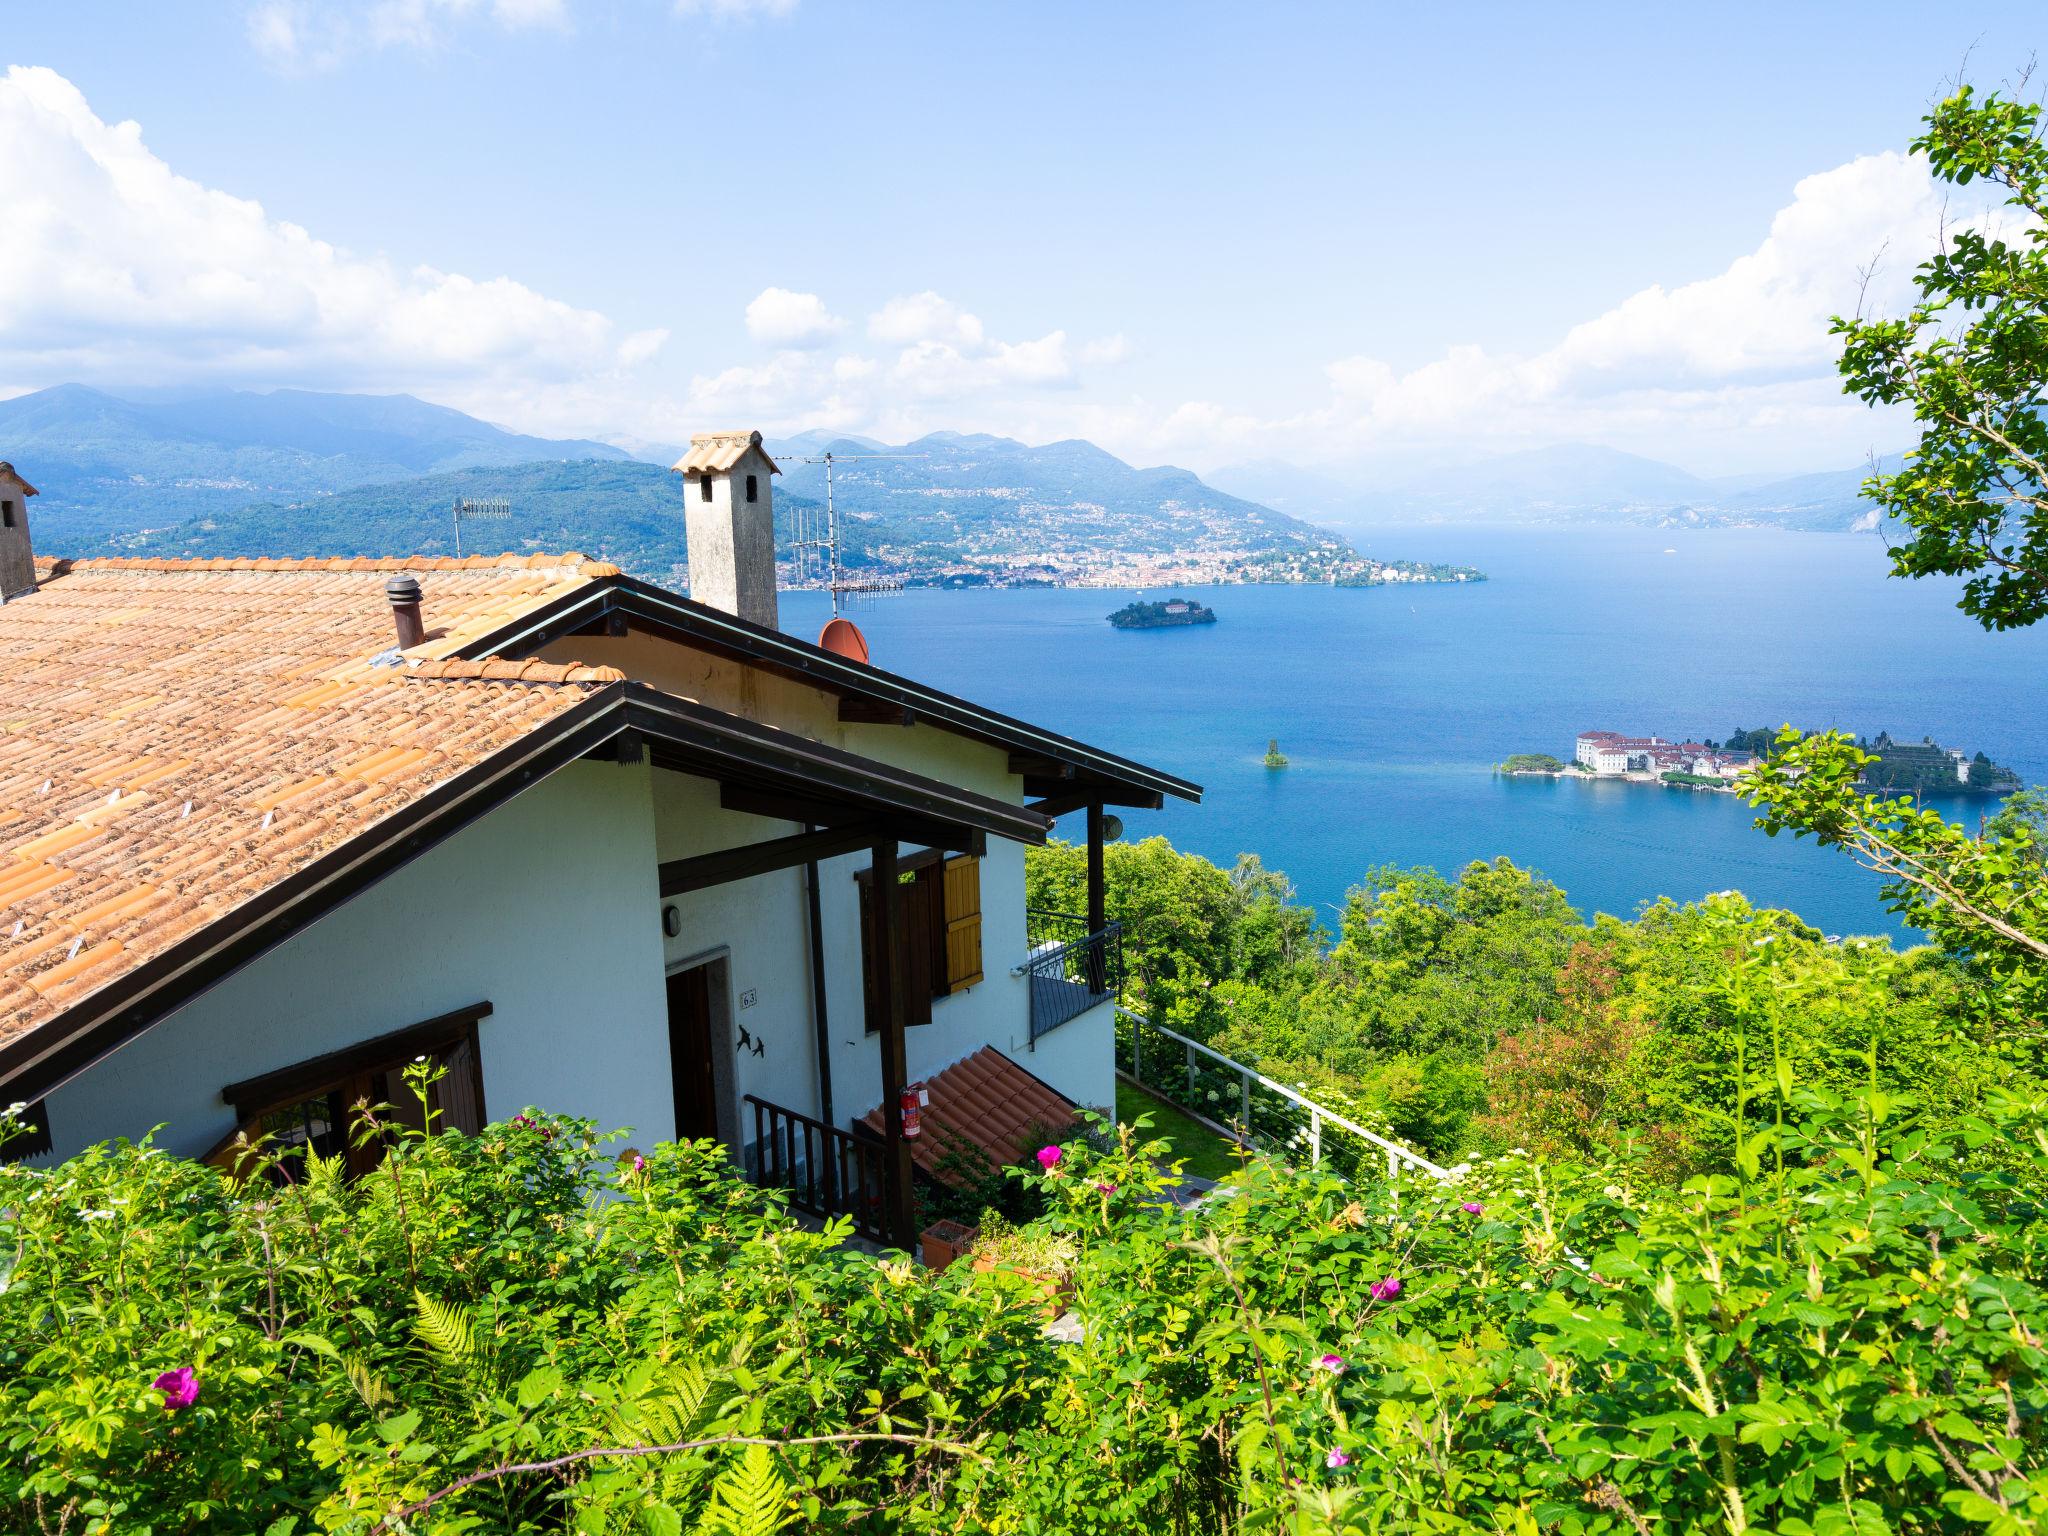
(1393, 703)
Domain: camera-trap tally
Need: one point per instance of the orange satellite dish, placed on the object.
(843, 638)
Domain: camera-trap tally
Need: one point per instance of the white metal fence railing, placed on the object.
(1261, 1111)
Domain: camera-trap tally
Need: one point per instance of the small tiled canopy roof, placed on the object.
(718, 452)
(988, 1104)
(180, 736)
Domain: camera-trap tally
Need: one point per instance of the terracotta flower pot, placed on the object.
(1057, 1288)
(945, 1241)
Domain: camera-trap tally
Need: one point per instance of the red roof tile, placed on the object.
(986, 1104)
(177, 736)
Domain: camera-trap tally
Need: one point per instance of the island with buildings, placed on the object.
(1172, 613)
(1899, 767)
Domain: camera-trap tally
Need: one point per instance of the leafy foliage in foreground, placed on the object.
(515, 1333)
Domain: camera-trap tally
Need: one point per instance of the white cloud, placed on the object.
(735, 10)
(114, 267)
(1704, 370)
(947, 353)
(785, 319)
(923, 317)
(319, 34)
(1106, 350)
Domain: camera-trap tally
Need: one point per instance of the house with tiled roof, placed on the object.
(270, 829)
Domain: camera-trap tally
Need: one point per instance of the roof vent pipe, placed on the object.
(404, 593)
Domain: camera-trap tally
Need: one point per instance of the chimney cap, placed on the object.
(717, 452)
(403, 590)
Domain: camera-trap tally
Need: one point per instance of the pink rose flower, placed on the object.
(639, 1163)
(1336, 1459)
(1107, 1189)
(1334, 1364)
(1385, 1290)
(1048, 1157)
(1472, 1208)
(180, 1388)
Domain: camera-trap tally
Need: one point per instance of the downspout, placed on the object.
(818, 1013)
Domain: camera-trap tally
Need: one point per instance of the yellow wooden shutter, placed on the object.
(963, 922)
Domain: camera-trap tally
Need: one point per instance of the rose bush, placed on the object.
(518, 1331)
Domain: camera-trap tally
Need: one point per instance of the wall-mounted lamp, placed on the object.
(671, 921)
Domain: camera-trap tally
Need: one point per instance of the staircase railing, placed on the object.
(1258, 1110)
(826, 1171)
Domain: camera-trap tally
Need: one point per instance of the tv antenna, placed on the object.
(496, 507)
(808, 544)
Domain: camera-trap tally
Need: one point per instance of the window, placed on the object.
(7, 512)
(36, 1139)
(938, 932)
(753, 488)
(312, 1104)
(703, 487)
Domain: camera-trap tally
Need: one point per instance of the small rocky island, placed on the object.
(1162, 615)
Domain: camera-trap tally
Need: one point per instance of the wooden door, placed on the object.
(689, 1054)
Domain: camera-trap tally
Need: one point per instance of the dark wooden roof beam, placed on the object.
(1033, 766)
(778, 806)
(743, 863)
(856, 710)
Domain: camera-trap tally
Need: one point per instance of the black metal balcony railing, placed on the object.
(827, 1172)
(1071, 969)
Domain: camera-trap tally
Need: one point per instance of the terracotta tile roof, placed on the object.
(719, 451)
(177, 736)
(985, 1103)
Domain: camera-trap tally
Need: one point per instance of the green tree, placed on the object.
(1982, 898)
(1971, 360)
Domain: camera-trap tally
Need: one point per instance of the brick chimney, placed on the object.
(17, 555)
(729, 523)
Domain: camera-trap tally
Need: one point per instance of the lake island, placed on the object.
(1168, 614)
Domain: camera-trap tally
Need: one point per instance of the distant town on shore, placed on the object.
(1922, 767)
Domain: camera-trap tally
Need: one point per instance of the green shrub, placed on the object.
(1842, 1335)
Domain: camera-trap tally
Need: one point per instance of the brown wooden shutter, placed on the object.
(920, 913)
(962, 923)
(916, 972)
(871, 1001)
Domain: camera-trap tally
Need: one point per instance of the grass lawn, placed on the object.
(1208, 1155)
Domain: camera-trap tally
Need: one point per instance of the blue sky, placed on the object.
(1357, 236)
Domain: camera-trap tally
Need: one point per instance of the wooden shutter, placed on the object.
(322, 1092)
(916, 916)
(962, 923)
(919, 912)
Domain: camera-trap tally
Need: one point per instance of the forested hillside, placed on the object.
(619, 510)
(107, 464)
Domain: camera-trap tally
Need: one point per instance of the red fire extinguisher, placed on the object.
(908, 1103)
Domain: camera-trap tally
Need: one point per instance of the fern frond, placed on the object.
(368, 1384)
(751, 1499)
(445, 1328)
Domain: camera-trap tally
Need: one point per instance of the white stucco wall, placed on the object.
(763, 923)
(547, 907)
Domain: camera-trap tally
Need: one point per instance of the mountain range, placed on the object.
(232, 472)
(118, 462)
(1565, 483)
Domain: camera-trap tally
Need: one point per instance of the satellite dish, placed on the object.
(842, 637)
